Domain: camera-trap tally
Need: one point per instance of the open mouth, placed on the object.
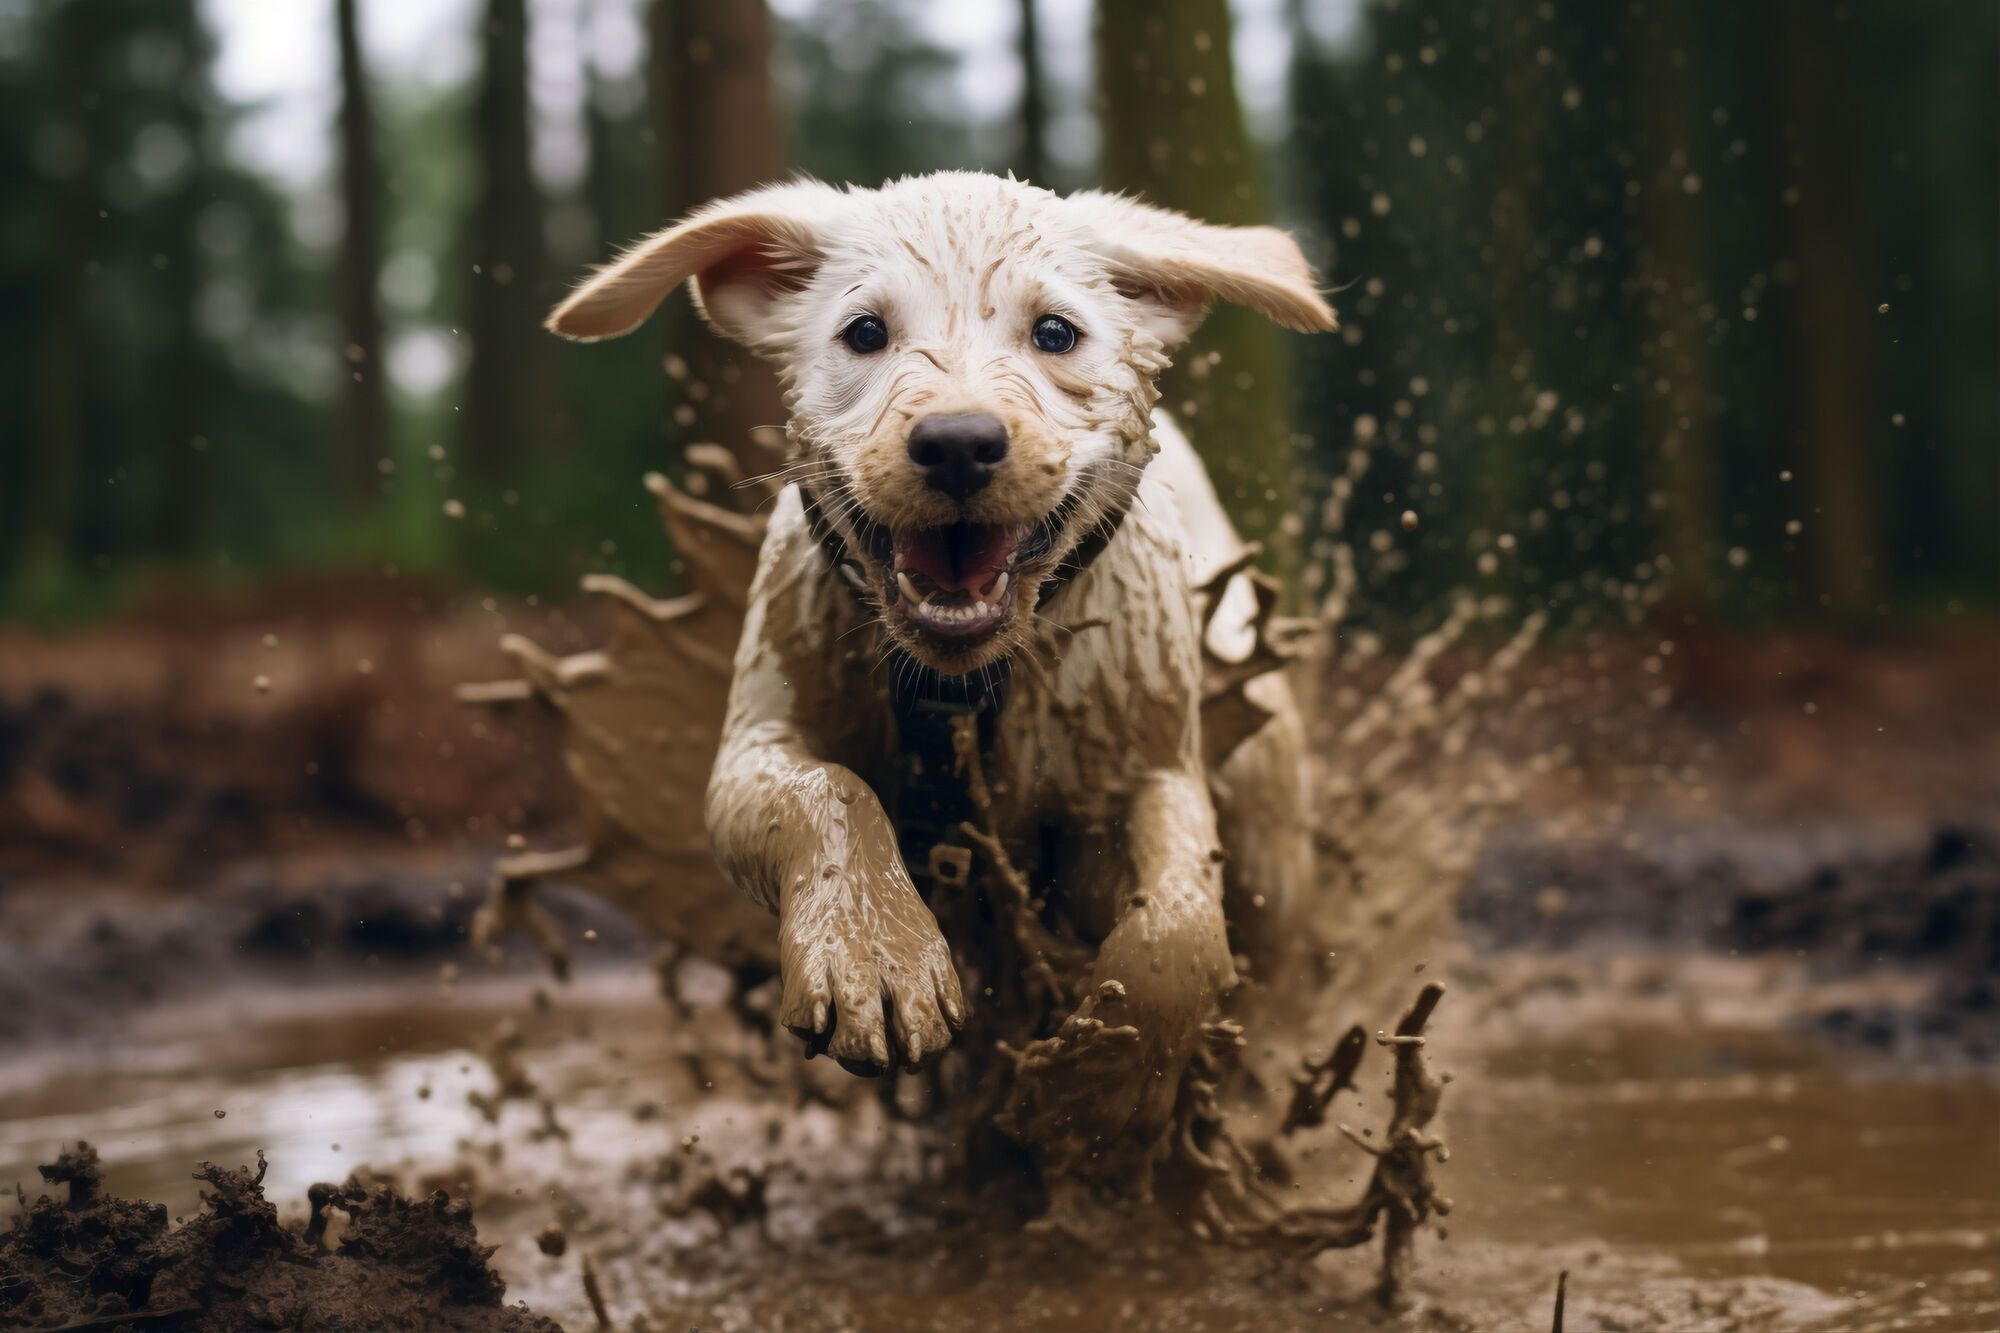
(957, 580)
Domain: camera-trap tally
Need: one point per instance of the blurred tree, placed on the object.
(1031, 151)
(1174, 132)
(503, 399)
(1833, 416)
(718, 135)
(1928, 149)
(364, 425)
(1673, 380)
(618, 398)
(79, 131)
(178, 463)
(870, 97)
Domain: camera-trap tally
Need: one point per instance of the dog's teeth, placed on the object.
(909, 587)
(1000, 585)
(852, 573)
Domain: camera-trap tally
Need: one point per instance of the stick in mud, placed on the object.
(1400, 1192)
(593, 1290)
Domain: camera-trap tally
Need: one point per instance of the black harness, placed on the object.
(931, 802)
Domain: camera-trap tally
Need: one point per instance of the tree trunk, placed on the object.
(50, 518)
(502, 408)
(180, 519)
(1174, 132)
(364, 425)
(1030, 155)
(1519, 184)
(1677, 439)
(719, 135)
(1832, 403)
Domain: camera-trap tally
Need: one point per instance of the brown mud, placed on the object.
(1654, 1088)
(88, 1260)
(1644, 1121)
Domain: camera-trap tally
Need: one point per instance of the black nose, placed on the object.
(958, 453)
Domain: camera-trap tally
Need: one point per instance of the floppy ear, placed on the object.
(1176, 266)
(740, 253)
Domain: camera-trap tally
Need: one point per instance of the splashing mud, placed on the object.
(643, 725)
(1645, 1123)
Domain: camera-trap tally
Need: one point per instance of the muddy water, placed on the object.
(1689, 1176)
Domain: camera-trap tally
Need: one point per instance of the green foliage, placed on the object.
(1563, 239)
(870, 98)
(1584, 295)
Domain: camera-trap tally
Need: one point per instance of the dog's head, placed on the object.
(969, 366)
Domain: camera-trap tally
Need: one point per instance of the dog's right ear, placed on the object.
(739, 255)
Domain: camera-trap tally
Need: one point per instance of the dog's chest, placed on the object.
(1112, 693)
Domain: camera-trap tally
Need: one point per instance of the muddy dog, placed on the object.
(982, 486)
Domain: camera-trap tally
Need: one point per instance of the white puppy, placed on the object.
(987, 520)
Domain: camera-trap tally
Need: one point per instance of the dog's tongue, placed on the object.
(961, 557)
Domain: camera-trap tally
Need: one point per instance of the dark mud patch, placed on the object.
(1846, 901)
(94, 1261)
(78, 960)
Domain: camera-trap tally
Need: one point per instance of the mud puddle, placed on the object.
(1689, 1172)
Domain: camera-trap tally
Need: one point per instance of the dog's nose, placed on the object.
(958, 452)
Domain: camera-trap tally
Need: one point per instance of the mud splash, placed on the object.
(1645, 1123)
(642, 728)
(95, 1261)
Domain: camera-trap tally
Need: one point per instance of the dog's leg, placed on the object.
(865, 970)
(866, 975)
(1096, 1099)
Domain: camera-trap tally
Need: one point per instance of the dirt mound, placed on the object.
(100, 1262)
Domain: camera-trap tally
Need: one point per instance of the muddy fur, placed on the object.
(1123, 623)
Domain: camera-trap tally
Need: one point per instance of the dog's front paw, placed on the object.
(867, 976)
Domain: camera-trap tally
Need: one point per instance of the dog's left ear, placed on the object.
(739, 255)
(1175, 266)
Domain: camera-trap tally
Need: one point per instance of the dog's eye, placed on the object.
(865, 334)
(1054, 334)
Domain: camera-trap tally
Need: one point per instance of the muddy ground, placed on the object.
(1721, 1011)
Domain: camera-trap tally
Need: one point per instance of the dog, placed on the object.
(987, 519)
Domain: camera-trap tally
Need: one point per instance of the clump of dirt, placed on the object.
(96, 1261)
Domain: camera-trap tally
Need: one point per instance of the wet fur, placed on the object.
(1100, 739)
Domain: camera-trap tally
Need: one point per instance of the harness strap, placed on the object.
(931, 800)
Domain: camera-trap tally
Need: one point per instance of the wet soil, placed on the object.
(86, 1259)
(1640, 1121)
(1849, 899)
(1721, 1021)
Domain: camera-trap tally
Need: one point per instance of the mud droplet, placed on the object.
(261, 683)
(220, 1113)
(454, 509)
(1409, 520)
(552, 1241)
